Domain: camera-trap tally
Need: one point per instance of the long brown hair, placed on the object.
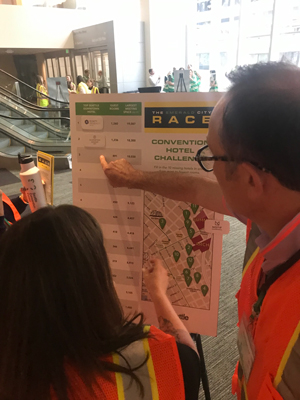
(57, 304)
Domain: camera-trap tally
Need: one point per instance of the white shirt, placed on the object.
(154, 80)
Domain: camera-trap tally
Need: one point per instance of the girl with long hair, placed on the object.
(63, 332)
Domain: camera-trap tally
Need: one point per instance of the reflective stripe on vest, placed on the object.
(41, 101)
(163, 362)
(95, 90)
(274, 338)
(16, 213)
(161, 376)
(84, 86)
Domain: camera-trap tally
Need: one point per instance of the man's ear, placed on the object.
(253, 180)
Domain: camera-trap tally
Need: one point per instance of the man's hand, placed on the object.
(120, 173)
(156, 278)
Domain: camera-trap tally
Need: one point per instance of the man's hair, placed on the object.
(86, 71)
(150, 70)
(261, 120)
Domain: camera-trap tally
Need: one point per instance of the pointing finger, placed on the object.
(103, 162)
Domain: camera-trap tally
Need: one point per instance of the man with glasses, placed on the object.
(253, 150)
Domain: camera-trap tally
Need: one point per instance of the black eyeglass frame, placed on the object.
(200, 158)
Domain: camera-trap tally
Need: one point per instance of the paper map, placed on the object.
(156, 132)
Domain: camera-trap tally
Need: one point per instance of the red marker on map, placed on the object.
(203, 246)
(200, 219)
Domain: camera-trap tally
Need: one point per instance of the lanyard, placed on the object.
(271, 278)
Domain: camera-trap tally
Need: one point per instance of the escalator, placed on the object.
(27, 128)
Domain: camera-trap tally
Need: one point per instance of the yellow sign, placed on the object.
(45, 163)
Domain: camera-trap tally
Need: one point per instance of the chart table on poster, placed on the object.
(157, 132)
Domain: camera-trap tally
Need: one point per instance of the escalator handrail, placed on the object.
(31, 87)
(31, 105)
(35, 143)
(58, 134)
(9, 117)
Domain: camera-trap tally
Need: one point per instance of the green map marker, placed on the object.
(187, 223)
(188, 280)
(191, 232)
(190, 261)
(197, 277)
(186, 214)
(194, 207)
(176, 255)
(188, 248)
(187, 276)
(162, 222)
(204, 290)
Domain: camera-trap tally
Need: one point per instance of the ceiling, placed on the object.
(25, 51)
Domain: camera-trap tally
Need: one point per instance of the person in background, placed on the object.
(102, 84)
(195, 79)
(11, 209)
(82, 87)
(86, 75)
(42, 100)
(65, 336)
(153, 79)
(71, 85)
(93, 89)
(255, 158)
(169, 84)
(213, 81)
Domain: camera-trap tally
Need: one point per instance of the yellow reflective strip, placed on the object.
(153, 383)
(286, 355)
(119, 379)
(245, 390)
(250, 261)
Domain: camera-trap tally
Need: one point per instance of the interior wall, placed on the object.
(39, 27)
(130, 56)
(7, 64)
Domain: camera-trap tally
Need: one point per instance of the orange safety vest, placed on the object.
(275, 331)
(16, 213)
(161, 375)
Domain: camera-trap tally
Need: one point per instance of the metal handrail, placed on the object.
(60, 134)
(30, 105)
(9, 117)
(26, 84)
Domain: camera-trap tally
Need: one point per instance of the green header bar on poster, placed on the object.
(99, 108)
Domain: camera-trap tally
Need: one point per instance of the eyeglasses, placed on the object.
(206, 160)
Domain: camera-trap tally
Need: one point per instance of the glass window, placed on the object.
(68, 66)
(78, 65)
(62, 66)
(55, 67)
(85, 59)
(223, 59)
(203, 6)
(49, 68)
(203, 60)
(291, 56)
(97, 63)
(106, 67)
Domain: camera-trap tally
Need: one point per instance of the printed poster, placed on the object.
(154, 132)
